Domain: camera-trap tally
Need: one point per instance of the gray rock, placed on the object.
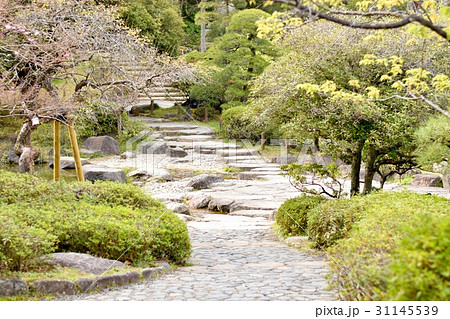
(163, 174)
(185, 218)
(222, 205)
(149, 273)
(428, 180)
(12, 158)
(67, 162)
(104, 145)
(12, 287)
(127, 155)
(204, 181)
(177, 152)
(139, 173)
(178, 208)
(54, 287)
(284, 159)
(154, 147)
(199, 201)
(84, 262)
(85, 284)
(103, 173)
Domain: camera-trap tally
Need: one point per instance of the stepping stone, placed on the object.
(255, 175)
(204, 147)
(256, 159)
(241, 152)
(194, 138)
(267, 169)
(246, 167)
(256, 205)
(269, 214)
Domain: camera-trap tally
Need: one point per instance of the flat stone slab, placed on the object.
(241, 152)
(208, 146)
(190, 138)
(269, 214)
(255, 175)
(255, 159)
(246, 167)
(255, 205)
(84, 262)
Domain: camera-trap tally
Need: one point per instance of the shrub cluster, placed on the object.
(104, 219)
(292, 216)
(383, 246)
(237, 125)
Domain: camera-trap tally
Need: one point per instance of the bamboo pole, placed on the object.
(76, 152)
(56, 150)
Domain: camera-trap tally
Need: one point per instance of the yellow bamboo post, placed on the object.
(76, 152)
(56, 150)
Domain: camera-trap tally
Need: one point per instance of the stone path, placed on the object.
(235, 256)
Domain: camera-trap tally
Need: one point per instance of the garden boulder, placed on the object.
(104, 145)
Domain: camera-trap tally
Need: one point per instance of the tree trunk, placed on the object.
(356, 168)
(370, 169)
(203, 33)
(23, 148)
(27, 158)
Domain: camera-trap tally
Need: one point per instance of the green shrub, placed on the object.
(362, 262)
(105, 219)
(21, 244)
(292, 216)
(237, 125)
(421, 262)
(333, 219)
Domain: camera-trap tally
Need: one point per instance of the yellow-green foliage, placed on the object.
(105, 219)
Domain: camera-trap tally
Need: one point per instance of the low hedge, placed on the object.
(292, 216)
(106, 219)
(397, 248)
(333, 219)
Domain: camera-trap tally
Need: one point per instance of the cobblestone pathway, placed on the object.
(234, 258)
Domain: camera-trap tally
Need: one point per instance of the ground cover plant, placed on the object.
(104, 219)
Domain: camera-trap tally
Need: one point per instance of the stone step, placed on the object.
(203, 147)
(267, 169)
(253, 158)
(263, 205)
(255, 175)
(248, 167)
(189, 138)
(234, 153)
(269, 214)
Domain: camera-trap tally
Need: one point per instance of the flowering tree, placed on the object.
(58, 56)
